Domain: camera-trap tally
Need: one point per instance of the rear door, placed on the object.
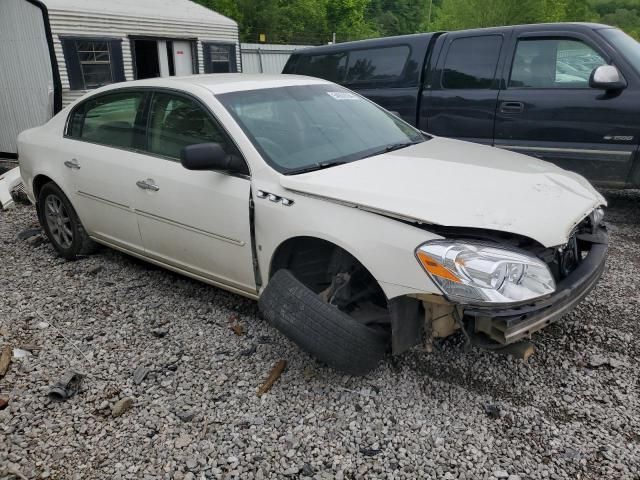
(547, 109)
(461, 92)
(101, 151)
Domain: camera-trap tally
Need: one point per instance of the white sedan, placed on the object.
(357, 232)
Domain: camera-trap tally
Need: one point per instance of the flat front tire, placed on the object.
(61, 223)
(320, 329)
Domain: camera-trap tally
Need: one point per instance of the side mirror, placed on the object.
(205, 156)
(607, 77)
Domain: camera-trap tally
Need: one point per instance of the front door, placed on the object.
(548, 110)
(196, 221)
(460, 98)
(100, 158)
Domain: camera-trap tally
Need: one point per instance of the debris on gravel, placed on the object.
(121, 406)
(572, 411)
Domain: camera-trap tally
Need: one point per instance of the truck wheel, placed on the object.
(61, 223)
(320, 329)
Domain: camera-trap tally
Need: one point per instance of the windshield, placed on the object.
(628, 47)
(307, 127)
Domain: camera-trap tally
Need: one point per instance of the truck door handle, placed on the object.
(72, 164)
(511, 107)
(148, 184)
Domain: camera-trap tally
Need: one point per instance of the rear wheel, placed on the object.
(61, 223)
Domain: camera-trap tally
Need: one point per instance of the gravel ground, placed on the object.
(572, 411)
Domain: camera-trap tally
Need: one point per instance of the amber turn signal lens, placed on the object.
(435, 268)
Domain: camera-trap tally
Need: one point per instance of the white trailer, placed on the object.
(54, 51)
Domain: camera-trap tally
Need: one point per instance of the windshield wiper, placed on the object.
(393, 147)
(314, 167)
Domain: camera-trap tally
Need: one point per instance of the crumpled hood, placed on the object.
(453, 183)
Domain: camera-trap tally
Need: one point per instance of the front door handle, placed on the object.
(511, 107)
(72, 164)
(148, 184)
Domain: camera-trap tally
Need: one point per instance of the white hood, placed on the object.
(452, 183)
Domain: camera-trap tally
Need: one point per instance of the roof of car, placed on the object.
(223, 82)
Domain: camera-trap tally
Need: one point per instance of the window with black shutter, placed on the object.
(92, 62)
(219, 58)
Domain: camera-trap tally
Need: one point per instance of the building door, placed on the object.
(162, 57)
(182, 58)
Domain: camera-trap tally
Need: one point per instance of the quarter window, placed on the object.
(553, 63)
(177, 122)
(109, 120)
(471, 62)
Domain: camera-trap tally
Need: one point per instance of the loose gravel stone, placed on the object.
(417, 416)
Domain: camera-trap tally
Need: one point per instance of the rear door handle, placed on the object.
(72, 164)
(148, 184)
(511, 107)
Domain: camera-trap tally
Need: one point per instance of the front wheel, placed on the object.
(61, 223)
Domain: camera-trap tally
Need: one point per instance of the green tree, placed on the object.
(460, 14)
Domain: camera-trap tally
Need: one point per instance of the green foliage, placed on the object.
(315, 21)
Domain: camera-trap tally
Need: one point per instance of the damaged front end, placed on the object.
(575, 267)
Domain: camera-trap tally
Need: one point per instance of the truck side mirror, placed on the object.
(607, 77)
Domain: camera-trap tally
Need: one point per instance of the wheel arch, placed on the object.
(324, 247)
(39, 181)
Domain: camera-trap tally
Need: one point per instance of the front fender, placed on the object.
(384, 246)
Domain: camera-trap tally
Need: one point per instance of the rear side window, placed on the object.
(471, 62)
(176, 122)
(109, 120)
(330, 67)
(377, 65)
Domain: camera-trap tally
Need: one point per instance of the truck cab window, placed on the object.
(553, 63)
(377, 64)
(329, 67)
(471, 62)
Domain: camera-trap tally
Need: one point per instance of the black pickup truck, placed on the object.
(568, 93)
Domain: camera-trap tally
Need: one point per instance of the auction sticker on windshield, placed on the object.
(343, 96)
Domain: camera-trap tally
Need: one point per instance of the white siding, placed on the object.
(123, 26)
(26, 93)
(266, 58)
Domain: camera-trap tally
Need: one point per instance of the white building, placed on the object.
(53, 51)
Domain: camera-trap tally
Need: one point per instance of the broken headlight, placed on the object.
(475, 272)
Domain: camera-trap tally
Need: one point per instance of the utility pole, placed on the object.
(429, 17)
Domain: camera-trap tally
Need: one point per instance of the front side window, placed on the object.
(178, 121)
(553, 63)
(471, 62)
(311, 126)
(109, 120)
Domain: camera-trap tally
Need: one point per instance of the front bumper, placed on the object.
(508, 325)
